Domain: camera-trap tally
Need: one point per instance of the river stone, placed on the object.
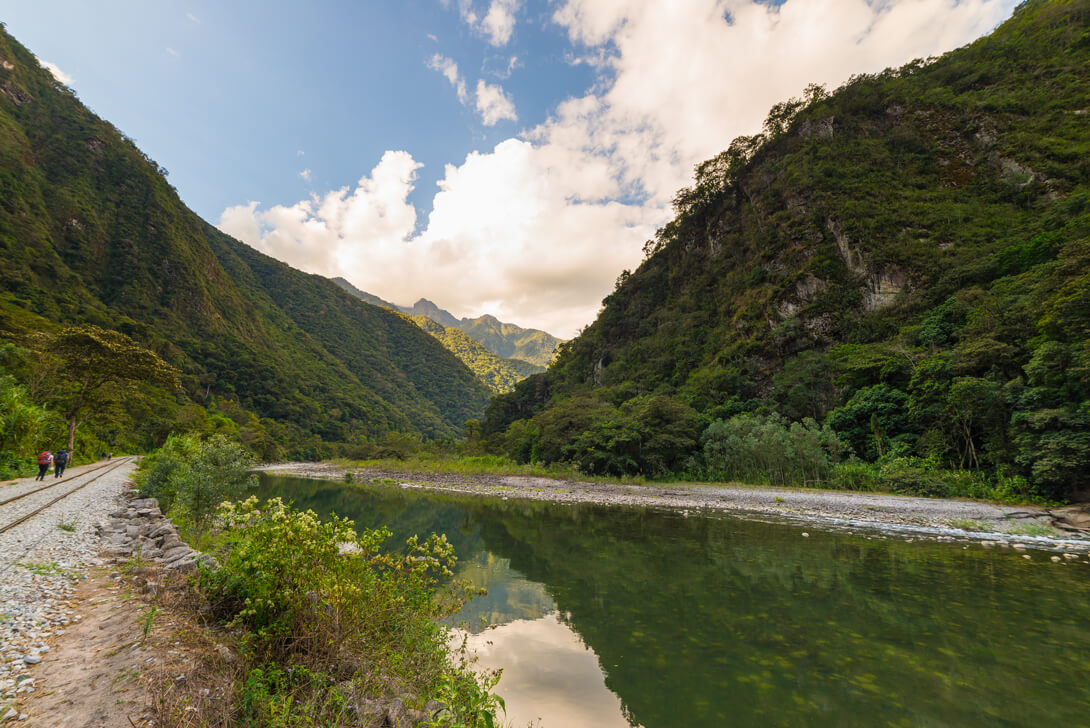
(162, 530)
(31, 659)
(183, 565)
(171, 542)
(176, 552)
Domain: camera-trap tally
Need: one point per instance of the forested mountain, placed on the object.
(499, 374)
(511, 341)
(906, 260)
(91, 232)
(506, 341)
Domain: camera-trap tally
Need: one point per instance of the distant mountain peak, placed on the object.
(424, 307)
(506, 340)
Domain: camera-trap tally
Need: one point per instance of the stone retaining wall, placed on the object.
(140, 529)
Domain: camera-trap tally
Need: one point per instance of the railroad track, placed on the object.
(109, 467)
(53, 484)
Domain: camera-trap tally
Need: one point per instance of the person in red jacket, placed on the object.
(45, 458)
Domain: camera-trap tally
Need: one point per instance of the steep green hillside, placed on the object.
(90, 231)
(907, 260)
(501, 375)
(511, 341)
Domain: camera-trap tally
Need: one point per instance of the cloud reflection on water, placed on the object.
(549, 675)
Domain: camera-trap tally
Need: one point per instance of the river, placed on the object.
(617, 616)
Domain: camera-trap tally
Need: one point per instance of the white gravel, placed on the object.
(40, 565)
(893, 514)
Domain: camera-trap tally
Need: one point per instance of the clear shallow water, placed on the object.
(628, 616)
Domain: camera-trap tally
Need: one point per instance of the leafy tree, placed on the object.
(768, 449)
(24, 426)
(86, 367)
(976, 408)
(608, 447)
(1051, 420)
(872, 420)
(21, 421)
(804, 387)
(195, 475)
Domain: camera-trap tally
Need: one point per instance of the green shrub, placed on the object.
(194, 476)
(767, 449)
(316, 594)
(915, 476)
(854, 475)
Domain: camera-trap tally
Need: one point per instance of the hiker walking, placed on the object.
(60, 462)
(44, 459)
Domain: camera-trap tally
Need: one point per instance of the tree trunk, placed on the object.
(71, 434)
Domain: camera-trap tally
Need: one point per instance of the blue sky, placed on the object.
(226, 95)
(499, 156)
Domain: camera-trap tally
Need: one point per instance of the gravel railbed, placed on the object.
(926, 517)
(40, 564)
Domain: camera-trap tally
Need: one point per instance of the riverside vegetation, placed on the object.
(330, 623)
(889, 285)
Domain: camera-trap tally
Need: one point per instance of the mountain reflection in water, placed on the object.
(615, 616)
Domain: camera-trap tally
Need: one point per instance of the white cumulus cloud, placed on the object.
(537, 229)
(496, 25)
(449, 69)
(360, 229)
(493, 104)
(499, 22)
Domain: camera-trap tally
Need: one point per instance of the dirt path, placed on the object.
(94, 676)
(926, 516)
(127, 653)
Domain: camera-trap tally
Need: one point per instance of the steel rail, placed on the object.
(53, 484)
(28, 516)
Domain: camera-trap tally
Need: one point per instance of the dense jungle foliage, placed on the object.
(91, 232)
(888, 283)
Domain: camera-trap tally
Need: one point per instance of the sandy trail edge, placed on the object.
(103, 672)
(927, 517)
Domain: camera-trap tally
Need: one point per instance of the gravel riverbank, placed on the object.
(41, 562)
(928, 517)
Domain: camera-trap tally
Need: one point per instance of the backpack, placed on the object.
(61, 458)
(45, 458)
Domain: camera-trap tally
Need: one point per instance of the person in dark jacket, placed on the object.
(60, 462)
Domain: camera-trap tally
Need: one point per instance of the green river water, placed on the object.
(611, 616)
